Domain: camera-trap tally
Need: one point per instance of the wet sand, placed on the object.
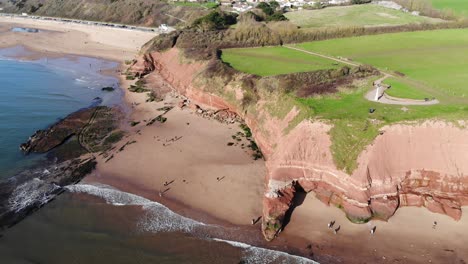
(79, 228)
(201, 156)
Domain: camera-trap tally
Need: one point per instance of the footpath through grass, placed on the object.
(354, 15)
(354, 128)
(401, 89)
(269, 61)
(436, 61)
(435, 64)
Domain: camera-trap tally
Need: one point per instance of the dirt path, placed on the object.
(324, 56)
(180, 19)
(377, 94)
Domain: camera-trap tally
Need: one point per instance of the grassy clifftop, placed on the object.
(137, 12)
(325, 90)
(429, 64)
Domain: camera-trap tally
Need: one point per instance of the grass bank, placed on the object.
(355, 15)
(355, 127)
(269, 61)
(426, 63)
(433, 61)
(459, 7)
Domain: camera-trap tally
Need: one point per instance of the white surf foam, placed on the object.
(29, 193)
(158, 218)
(259, 255)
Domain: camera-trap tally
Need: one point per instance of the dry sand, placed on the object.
(197, 156)
(408, 237)
(201, 155)
(73, 39)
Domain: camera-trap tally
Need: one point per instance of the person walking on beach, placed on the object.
(336, 230)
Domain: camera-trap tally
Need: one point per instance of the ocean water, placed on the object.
(35, 94)
(96, 223)
(99, 224)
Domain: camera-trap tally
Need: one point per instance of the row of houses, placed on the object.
(241, 6)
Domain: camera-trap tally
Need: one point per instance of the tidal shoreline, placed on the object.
(198, 154)
(32, 52)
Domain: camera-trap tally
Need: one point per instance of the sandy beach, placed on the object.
(187, 159)
(58, 38)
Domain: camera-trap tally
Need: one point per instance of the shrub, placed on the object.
(215, 20)
(277, 17)
(360, 2)
(266, 8)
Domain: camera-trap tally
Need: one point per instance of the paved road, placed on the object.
(377, 94)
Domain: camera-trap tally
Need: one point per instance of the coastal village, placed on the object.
(241, 6)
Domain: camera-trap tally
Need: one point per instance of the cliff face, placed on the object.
(419, 164)
(136, 12)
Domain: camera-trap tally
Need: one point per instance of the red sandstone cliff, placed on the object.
(421, 164)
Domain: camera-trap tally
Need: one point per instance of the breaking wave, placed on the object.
(31, 192)
(259, 255)
(159, 218)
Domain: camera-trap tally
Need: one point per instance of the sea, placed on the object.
(94, 223)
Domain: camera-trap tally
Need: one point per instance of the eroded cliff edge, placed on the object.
(409, 164)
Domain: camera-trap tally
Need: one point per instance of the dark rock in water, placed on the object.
(108, 89)
(88, 130)
(70, 149)
(45, 140)
(31, 189)
(96, 101)
(91, 126)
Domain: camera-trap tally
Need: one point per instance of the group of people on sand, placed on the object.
(331, 224)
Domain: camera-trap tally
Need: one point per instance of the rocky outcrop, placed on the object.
(31, 189)
(91, 126)
(69, 144)
(44, 140)
(420, 164)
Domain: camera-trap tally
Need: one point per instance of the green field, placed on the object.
(433, 61)
(274, 60)
(459, 7)
(355, 128)
(354, 15)
(401, 89)
(434, 64)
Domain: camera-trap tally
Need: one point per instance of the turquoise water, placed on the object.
(35, 94)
